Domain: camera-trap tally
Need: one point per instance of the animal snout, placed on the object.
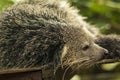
(105, 52)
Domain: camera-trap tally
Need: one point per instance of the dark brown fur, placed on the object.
(48, 37)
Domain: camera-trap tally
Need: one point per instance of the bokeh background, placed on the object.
(103, 14)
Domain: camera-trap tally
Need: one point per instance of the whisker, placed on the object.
(86, 62)
(63, 77)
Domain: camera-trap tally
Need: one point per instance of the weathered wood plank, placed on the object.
(34, 75)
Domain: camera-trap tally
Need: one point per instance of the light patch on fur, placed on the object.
(88, 32)
(63, 3)
(65, 49)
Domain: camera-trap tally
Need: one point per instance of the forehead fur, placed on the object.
(63, 10)
(69, 14)
(46, 12)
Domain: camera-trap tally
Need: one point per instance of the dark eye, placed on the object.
(85, 47)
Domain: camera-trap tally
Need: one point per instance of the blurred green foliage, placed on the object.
(5, 3)
(105, 14)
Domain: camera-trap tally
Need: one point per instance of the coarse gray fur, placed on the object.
(35, 34)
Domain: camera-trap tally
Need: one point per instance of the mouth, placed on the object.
(109, 58)
(103, 61)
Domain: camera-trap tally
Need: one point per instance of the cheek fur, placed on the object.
(64, 52)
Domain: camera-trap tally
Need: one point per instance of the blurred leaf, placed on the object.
(5, 3)
(110, 66)
(105, 14)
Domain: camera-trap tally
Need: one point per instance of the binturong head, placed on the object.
(80, 50)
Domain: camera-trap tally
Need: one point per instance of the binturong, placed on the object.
(45, 35)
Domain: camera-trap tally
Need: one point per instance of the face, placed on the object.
(93, 51)
(82, 52)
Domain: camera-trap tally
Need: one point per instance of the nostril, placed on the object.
(106, 52)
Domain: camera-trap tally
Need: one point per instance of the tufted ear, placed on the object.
(112, 44)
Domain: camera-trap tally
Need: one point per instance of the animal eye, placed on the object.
(85, 47)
